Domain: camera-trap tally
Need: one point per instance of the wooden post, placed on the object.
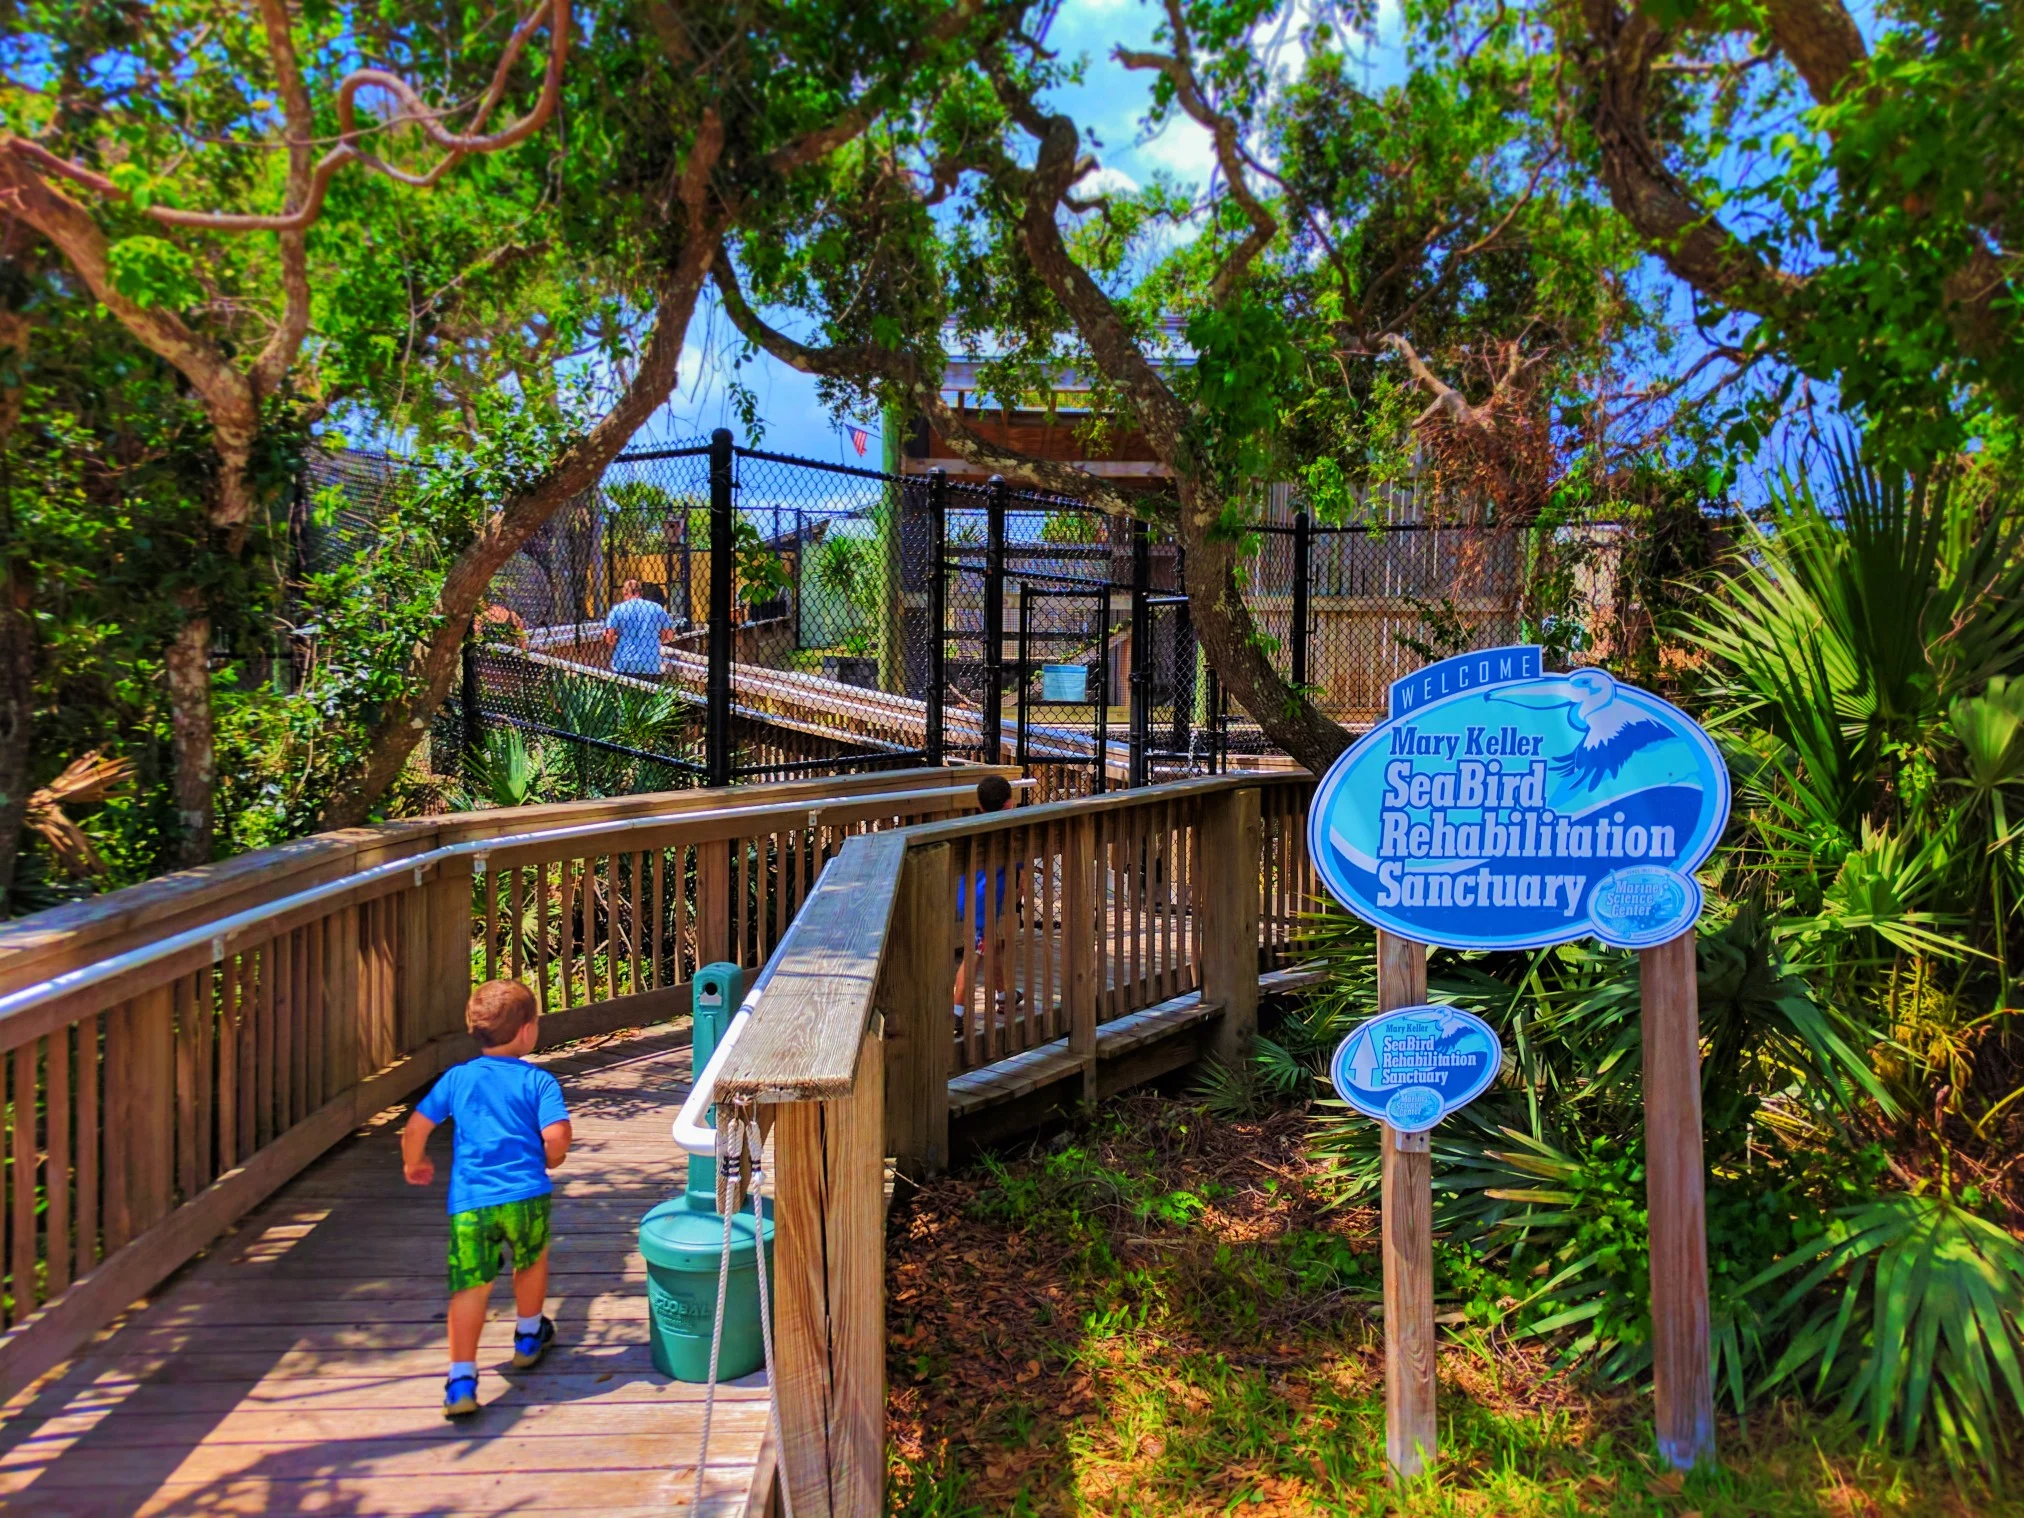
(147, 1111)
(914, 995)
(829, 1210)
(441, 964)
(1232, 843)
(1408, 1201)
(1676, 1196)
(342, 1003)
(1080, 935)
(713, 902)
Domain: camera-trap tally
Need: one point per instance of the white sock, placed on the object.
(464, 1368)
(527, 1325)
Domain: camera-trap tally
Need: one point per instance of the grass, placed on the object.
(1160, 1314)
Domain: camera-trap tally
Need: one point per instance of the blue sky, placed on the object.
(1108, 103)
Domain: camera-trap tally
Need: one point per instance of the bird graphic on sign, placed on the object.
(1612, 729)
(1363, 1066)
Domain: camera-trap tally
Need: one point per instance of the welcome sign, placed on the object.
(1504, 807)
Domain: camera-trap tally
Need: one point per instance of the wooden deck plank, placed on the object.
(435, 1493)
(298, 1366)
(1009, 1079)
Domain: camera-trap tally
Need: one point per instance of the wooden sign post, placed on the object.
(1683, 1393)
(1505, 807)
(1408, 1225)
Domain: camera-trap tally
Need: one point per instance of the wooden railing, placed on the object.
(177, 1051)
(1113, 907)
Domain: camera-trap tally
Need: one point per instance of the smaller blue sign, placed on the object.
(1414, 1066)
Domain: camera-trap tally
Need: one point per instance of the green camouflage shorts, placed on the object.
(477, 1236)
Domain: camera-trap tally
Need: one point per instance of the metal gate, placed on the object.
(1066, 635)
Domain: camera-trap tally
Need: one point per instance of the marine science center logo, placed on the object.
(1502, 806)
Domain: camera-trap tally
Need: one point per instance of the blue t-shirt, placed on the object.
(964, 898)
(639, 624)
(500, 1106)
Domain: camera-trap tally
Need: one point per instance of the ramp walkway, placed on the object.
(815, 705)
(298, 1367)
(220, 1295)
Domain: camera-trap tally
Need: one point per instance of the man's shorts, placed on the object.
(477, 1236)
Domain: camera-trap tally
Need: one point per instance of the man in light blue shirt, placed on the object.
(634, 630)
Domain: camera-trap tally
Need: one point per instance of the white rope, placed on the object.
(755, 1146)
(741, 1145)
(716, 1347)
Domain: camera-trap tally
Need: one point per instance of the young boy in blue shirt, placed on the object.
(512, 1129)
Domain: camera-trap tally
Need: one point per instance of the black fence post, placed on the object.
(717, 728)
(938, 611)
(994, 620)
(1184, 661)
(1102, 704)
(1141, 650)
(668, 562)
(474, 719)
(1219, 729)
(1022, 671)
(1303, 553)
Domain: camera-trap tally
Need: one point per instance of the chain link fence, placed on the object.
(875, 621)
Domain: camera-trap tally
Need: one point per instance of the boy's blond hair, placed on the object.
(498, 1010)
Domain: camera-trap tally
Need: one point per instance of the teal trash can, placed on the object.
(681, 1244)
(682, 1240)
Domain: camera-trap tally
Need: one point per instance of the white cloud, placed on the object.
(1106, 181)
(1181, 148)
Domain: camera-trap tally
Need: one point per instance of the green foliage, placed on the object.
(847, 569)
(1909, 1308)
(506, 773)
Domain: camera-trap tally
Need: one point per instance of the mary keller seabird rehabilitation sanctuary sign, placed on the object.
(1503, 807)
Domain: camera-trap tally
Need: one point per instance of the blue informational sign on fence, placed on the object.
(1414, 1066)
(1504, 807)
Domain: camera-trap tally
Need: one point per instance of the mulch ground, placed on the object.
(1162, 1313)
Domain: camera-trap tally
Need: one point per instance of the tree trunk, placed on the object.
(1235, 645)
(17, 710)
(433, 663)
(192, 738)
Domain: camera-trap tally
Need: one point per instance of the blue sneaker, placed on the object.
(460, 1396)
(529, 1348)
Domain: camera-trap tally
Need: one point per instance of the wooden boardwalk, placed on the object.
(298, 1367)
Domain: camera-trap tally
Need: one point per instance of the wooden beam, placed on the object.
(713, 902)
(1232, 841)
(64, 938)
(914, 996)
(1675, 1187)
(804, 1041)
(1409, 1364)
(1081, 933)
(829, 1216)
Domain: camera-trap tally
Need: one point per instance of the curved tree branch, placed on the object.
(279, 353)
(1179, 69)
(1617, 64)
(433, 663)
(413, 110)
(1222, 618)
